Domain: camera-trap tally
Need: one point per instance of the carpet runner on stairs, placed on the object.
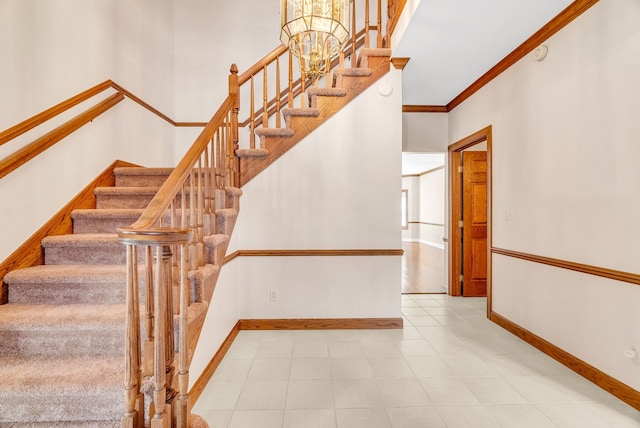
(62, 332)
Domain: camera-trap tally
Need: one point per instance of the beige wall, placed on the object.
(564, 169)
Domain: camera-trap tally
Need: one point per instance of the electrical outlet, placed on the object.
(273, 295)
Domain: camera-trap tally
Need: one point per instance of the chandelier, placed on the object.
(314, 31)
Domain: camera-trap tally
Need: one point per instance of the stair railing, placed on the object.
(266, 78)
(168, 241)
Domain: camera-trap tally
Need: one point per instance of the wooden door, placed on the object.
(474, 224)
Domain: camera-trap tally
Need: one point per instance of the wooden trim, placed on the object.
(230, 257)
(409, 108)
(27, 125)
(565, 17)
(321, 324)
(616, 275)
(30, 151)
(200, 384)
(322, 253)
(30, 252)
(399, 63)
(603, 380)
(431, 171)
(455, 151)
(395, 11)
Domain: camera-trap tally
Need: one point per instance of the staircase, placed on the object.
(61, 334)
(63, 355)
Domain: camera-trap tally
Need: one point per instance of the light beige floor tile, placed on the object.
(270, 369)
(362, 418)
(415, 417)
(275, 349)
(572, 416)
(215, 418)
(310, 418)
(422, 320)
(402, 393)
(520, 416)
(220, 395)
(616, 413)
(415, 311)
(310, 349)
(262, 395)
(278, 335)
(493, 390)
(310, 394)
(540, 389)
(448, 391)
(381, 349)
(389, 368)
(467, 417)
(310, 335)
(233, 369)
(244, 350)
(415, 347)
(310, 368)
(257, 419)
(345, 349)
(356, 394)
(350, 368)
(429, 366)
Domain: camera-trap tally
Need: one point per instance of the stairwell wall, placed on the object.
(565, 183)
(56, 49)
(339, 188)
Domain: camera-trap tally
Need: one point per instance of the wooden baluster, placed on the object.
(228, 147)
(290, 97)
(234, 88)
(353, 35)
(169, 355)
(278, 122)
(367, 38)
(207, 194)
(252, 123)
(327, 72)
(265, 99)
(200, 217)
(133, 398)
(379, 41)
(160, 418)
(182, 404)
(303, 81)
(193, 253)
(147, 366)
(174, 260)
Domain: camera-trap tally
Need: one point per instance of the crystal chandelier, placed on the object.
(314, 31)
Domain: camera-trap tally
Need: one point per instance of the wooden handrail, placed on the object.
(25, 154)
(258, 66)
(29, 124)
(163, 198)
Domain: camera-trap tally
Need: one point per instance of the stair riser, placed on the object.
(87, 255)
(65, 293)
(98, 343)
(101, 225)
(123, 201)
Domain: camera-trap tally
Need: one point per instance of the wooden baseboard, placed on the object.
(321, 324)
(30, 252)
(613, 386)
(205, 377)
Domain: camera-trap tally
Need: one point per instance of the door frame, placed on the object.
(455, 210)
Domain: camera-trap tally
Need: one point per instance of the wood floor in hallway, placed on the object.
(422, 268)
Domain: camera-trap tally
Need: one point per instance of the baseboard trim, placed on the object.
(207, 374)
(321, 324)
(613, 386)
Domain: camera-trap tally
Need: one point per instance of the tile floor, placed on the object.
(449, 367)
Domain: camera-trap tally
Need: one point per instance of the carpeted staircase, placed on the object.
(62, 332)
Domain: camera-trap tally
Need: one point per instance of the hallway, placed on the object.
(449, 367)
(422, 268)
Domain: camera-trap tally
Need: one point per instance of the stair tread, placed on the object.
(274, 132)
(353, 72)
(300, 111)
(252, 153)
(97, 274)
(139, 170)
(53, 317)
(327, 92)
(106, 213)
(106, 191)
(81, 239)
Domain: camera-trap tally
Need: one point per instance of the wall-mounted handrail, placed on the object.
(27, 125)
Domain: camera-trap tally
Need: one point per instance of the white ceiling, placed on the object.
(452, 43)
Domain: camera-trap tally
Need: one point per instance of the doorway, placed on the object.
(470, 216)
